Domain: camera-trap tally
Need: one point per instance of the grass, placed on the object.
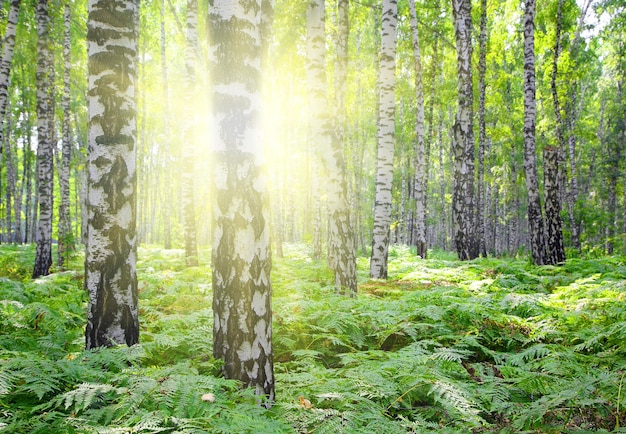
(490, 345)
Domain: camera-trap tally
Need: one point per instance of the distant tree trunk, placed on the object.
(481, 203)
(535, 219)
(45, 154)
(420, 154)
(574, 195)
(11, 187)
(463, 197)
(111, 251)
(189, 136)
(242, 330)
(27, 178)
(66, 242)
(166, 146)
(386, 127)
(555, 251)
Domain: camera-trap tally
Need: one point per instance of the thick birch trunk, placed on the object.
(463, 197)
(45, 156)
(386, 139)
(535, 218)
(5, 64)
(241, 256)
(189, 137)
(111, 251)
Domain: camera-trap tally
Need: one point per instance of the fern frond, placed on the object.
(456, 401)
(87, 394)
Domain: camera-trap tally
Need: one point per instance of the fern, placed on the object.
(86, 395)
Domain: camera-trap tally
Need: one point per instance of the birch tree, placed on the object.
(386, 141)
(420, 182)
(5, 64)
(535, 218)
(481, 202)
(463, 197)
(111, 251)
(327, 138)
(241, 260)
(66, 243)
(555, 250)
(45, 157)
(189, 136)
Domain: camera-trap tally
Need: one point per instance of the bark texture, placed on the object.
(555, 250)
(5, 64)
(189, 137)
(45, 156)
(327, 137)
(481, 196)
(386, 141)
(463, 197)
(66, 241)
(111, 251)
(241, 255)
(420, 181)
(535, 218)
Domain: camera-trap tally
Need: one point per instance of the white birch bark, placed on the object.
(66, 243)
(45, 157)
(463, 196)
(555, 251)
(189, 136)
(481, 203)
(111, 251)
(329, 146)
(5, 64)
(241, 255)
(419, 237)
(535, 218)
(166, 148)
(386, 141)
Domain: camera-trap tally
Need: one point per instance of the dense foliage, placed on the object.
(491, 345)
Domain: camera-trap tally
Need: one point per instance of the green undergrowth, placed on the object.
(486, 346)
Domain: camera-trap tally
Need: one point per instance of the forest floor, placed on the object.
(490, 345)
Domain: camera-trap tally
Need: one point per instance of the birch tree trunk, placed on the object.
(45, 155)
(241, 256)
(66, 242)
(11, 188)
(189, 136)
(341, 235)
(419, 236)
(111, 251)
(535, 218)
(555, 250)
(386, 130)
(481, 202)
(328, 141)
(463, 197)
(5, 65)
(166, 146)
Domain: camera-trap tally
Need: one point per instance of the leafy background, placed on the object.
(491, 345)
